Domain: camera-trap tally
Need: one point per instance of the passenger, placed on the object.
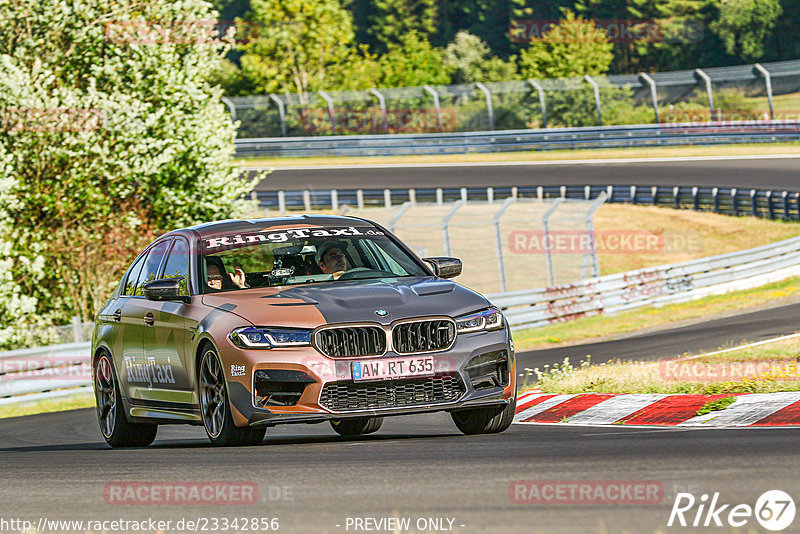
(214, 277)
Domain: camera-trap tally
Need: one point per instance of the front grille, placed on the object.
(349, 395)
(352, 341)
(423, 336)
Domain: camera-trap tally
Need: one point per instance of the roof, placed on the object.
(234, 226)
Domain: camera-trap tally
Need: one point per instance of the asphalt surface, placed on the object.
(419, 467)
(777, 173)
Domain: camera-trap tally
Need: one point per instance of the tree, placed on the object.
(574, 47)
(412, 61)
(391, 20)
(303, 46)
(745, 25)
(111, 135)
(468, 59)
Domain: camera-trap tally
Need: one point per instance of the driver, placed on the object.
(331, 259)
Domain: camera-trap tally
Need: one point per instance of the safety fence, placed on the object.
(721, 93)
(679, 134)
(765, 203)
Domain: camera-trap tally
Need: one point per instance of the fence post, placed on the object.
(231, 107)
(77, 332)
(768, 81)
(540, 192)
(797, 199)
(677, 197)
(334, 199)
(707, 81)
(436, 106)
(501, 267)
(412, 196)
(282, 201)
(547, 243)
(281, 112)
(439, 196)
(654, 194)
(610, 192)
(596, 89)
(770, 207)
(397, 216)
(754, 202)
(307, 200)
(542, 105)
(490, 195)
(446, 226)
(464, 195)
(514, 192)
(360, 199)
(695, 199)
(563, 191)
(489, 109)
(633, 194)
(734, 202)
(387, 198)
(715, 194)
(599, 201)
(331, 112)
(653, 93)
(587, 192)
(785, 198)
(382, 102)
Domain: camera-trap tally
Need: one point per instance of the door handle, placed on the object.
(117, 316)
(149, 320)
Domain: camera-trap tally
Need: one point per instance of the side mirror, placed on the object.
(165, 289)
(444, 267)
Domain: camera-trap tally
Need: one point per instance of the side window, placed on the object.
(151, 265)
(130, 283)
(177, 265)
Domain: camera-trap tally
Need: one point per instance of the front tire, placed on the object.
(490, 420)
(115, 427)
(216, 409)
(356, 426)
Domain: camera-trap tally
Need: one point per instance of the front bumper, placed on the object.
(325, 371)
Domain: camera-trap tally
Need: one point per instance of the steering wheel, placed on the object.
(358, 272)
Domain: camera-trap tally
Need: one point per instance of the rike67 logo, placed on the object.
(774, 510)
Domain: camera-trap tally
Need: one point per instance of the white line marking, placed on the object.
(615, 408)
(746, 410)
(526, 163)
(542, 406)
(757, 343)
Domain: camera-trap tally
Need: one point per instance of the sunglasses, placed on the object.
(214, 278)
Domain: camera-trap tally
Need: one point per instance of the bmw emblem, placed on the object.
(381, 313)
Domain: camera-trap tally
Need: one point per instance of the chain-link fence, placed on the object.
(744, 92)
(505, 246)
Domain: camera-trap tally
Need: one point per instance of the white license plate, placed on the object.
(392, 368)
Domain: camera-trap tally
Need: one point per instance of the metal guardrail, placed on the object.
(770, 204)
(48, 371)
(673, 283)
(514, 140)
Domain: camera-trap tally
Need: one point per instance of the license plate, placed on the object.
(392, 368)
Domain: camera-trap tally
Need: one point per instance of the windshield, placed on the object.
(300, 256)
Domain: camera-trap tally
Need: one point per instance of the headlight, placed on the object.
(488, 319)
(267, 338)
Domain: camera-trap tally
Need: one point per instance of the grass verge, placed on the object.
(767, 368)
(84, 400)
(716, 405)
(551, 155)
(604, 327)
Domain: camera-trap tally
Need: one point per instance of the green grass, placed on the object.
(84, 400)
(601, 326)
(716, 405)
(765, 368)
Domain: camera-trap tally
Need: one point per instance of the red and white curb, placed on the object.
(752, 409)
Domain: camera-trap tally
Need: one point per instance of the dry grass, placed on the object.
(763, 369)
(650, 317)
(553, 155)
(693, 234)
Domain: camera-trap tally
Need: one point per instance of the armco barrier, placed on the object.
(55, 370)
(513, 140)
(673, 283)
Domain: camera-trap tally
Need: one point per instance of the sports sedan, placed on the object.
(242, 325)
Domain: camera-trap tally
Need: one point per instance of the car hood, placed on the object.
(309, 306)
